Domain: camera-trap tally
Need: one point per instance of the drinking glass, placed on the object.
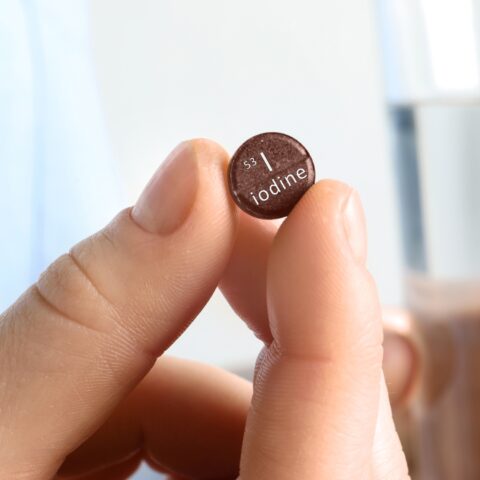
(430, 55)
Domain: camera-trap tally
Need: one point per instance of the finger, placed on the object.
(400, 358)
(388, 460)
(399, 367)
(120, 471)
(185, 417)
(317, 389)
(245, 279)
(94, 323)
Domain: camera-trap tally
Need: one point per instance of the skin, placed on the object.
(86, 392)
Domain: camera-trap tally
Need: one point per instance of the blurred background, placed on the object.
(109, 87)
(169, 70)
(94, 94)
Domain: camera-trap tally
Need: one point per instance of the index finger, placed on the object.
(244, 282)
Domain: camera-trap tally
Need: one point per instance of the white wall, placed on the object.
(174, 69)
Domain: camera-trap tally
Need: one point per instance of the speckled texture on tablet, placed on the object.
(269, 173)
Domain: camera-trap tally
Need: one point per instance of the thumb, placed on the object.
(91, 327)
(317, 386)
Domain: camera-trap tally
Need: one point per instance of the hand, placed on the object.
(81, 388)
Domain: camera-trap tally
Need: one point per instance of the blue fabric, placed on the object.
(57, 179)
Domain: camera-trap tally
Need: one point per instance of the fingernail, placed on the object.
(168, 197)
(354, 223)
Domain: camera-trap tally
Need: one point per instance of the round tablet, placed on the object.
(269, 173)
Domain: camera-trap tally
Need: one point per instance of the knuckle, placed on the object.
(67, 289)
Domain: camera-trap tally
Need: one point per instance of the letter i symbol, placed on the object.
(267, 163)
